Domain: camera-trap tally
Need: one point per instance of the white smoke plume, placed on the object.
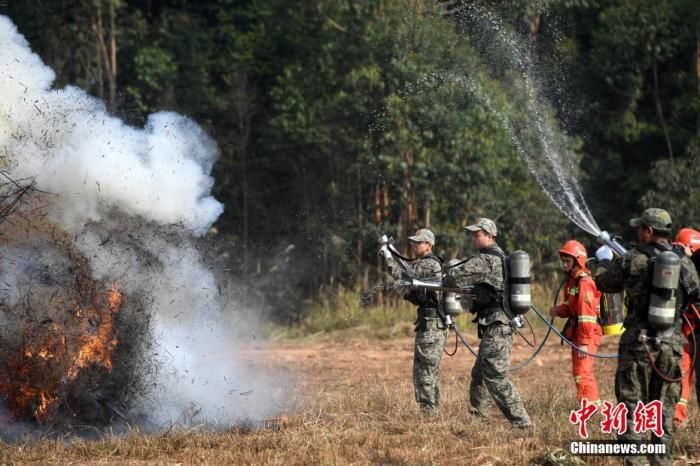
(135, 199)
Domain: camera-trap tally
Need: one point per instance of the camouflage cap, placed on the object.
(488, 225)
(423, 235)
(658, 219)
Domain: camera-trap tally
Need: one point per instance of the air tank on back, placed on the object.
(662, 305)
(519, 282)
(450, 301)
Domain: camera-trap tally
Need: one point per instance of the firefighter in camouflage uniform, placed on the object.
(486, 271)
(431, 331)
(636, 380)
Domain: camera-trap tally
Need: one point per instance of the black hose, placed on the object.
(532, 332)
(544, 340)
(464, 342)
(534, 354)
(569, 342)
(395, 252)
(692, 363)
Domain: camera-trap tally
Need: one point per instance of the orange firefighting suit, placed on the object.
(686, 367)
(582, 307)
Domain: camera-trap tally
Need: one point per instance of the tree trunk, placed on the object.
(360, 217)
(112, 53)
(409, 215)
(387, 210)
(426, 222)
(245, 109)
(697, 73)
(108, 53)
(660, 112)
(377, 205)
(97, 28)
(534, 24)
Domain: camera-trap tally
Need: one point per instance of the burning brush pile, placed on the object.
(108, 308)
(69, 344)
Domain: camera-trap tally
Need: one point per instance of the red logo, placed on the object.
(614, 418)
(582, 416)
(647, 417)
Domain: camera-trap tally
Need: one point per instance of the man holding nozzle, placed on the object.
(431, 331)
(486, 272)
(659, 286)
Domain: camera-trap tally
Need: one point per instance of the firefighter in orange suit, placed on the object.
(689, 240)
(581, 306)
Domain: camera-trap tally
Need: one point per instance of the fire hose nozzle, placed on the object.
(384, 239)
(436, 286)
(612, 243)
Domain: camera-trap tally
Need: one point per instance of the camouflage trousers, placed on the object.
(430, 339)
(636, 380)
(490, 376)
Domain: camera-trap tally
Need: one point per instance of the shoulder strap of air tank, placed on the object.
(647, 249)
(662, 246)
(498, 252)
(494, 251)
(434, 257)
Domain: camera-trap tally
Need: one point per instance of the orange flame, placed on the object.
(97, 349)
(46, 348)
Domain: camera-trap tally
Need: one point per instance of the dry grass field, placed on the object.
(355, 405)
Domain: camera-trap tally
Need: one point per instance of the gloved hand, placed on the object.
(604, 253)
(384, 252)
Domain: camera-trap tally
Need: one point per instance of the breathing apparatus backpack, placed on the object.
(453, 305)
(662, 308)
(515, 297)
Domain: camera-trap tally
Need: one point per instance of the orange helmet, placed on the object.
(689, 237)
(576, 250)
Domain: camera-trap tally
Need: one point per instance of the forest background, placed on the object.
(339, 120)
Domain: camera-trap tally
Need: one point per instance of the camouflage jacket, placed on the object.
(426, 267)
(483, 269)
(629, 273)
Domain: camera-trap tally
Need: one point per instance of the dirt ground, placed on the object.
(355, 405)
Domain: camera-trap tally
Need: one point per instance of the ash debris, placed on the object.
(109, 307)
(72, 347)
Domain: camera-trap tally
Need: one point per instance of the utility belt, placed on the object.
(428, 312)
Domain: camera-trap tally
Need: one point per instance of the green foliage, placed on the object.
(675, 186)
(340, 120)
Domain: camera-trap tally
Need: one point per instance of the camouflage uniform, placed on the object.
(490, 371)
(635, 379)
(430, 334)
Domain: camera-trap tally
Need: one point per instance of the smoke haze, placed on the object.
(134, 201)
